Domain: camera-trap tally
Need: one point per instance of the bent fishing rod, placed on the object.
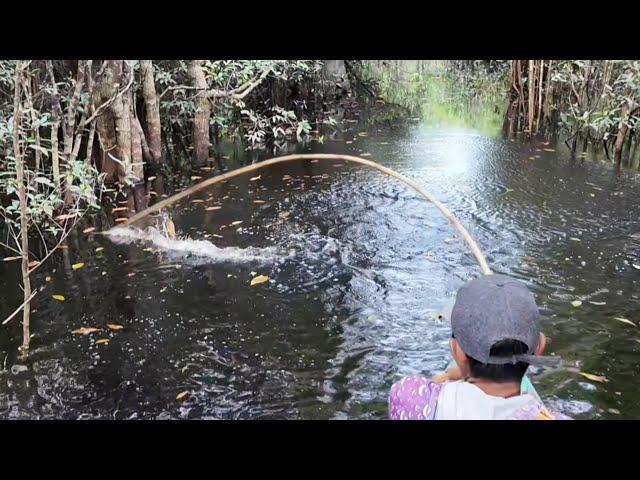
(475, 249)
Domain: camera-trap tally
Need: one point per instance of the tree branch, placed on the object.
(100, 110)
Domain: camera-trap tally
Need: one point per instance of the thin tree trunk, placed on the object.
(203, 112)
(540, 82)
(531, 78)
(92, 131)
(622, 132)
(56, 113)
(72, 110)
(22, 195)
(152, 111)
(33, 121)
(136, 145)
(547, 97)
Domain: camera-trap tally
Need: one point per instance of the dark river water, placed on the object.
(359, 267)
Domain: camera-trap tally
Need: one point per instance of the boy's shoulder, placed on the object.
(414, 398)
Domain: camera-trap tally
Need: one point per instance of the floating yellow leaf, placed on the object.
(252, 179)
(548, 149)
(182, 396)
(60, 298)
(259, 279)
(152, 178)
(576, 303)
(595, 378)
(259, 201)
(114, 326)
(86, 330)
(99, 249)
(77, 266)
(212, 208)
(597, 303)
(237, 222)
(102, 341)
(624, 320)
(88, 230)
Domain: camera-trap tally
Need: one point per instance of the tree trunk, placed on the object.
(105, 123)
(56, 112)
(22, 195)
(531, 80)
(203, 112)
(622, 132)
(122, 118)
(152, 112)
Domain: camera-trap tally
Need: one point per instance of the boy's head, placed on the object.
(495, 327)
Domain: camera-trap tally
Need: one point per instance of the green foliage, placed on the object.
(589, 96)
(443, 93)
(258, 121)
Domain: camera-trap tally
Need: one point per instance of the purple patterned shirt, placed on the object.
(417, 397)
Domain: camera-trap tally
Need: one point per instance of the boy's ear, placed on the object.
(459, 356)
(541, 344)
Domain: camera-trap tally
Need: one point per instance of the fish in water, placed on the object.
(166, 226)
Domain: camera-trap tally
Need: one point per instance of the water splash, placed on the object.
(189, 248)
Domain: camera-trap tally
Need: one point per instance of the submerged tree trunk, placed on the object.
(203, 112)
(22, 195)
(152, 112)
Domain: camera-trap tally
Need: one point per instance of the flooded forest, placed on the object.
(134, 286)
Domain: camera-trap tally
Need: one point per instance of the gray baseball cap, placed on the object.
(494, 308)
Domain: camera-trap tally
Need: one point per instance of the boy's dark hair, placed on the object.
(504, 373)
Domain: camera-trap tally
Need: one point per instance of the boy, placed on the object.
(496, 335)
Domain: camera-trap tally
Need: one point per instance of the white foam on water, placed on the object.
(194, 248)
